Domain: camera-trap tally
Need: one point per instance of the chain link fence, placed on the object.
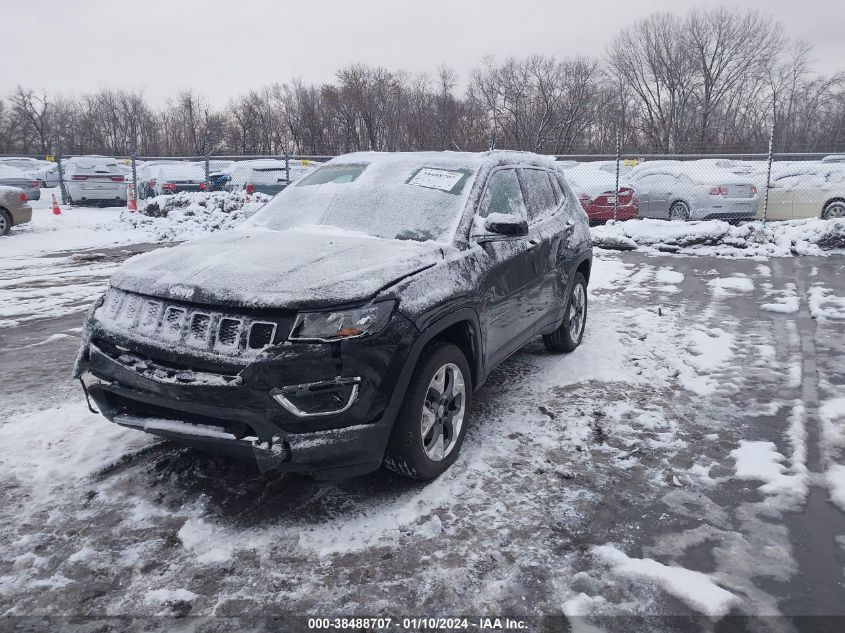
(621, 186)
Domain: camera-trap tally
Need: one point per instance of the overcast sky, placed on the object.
(224, 47)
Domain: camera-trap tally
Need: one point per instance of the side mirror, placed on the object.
(506, 225)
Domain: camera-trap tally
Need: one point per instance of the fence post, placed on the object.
(207, 171)
(62, 188)
(768, 175)
(616, 192)
(134, 157)
(287, 168)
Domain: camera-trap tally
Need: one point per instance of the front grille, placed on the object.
(209, 330)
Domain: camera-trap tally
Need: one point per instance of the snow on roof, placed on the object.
(7, 171)
(699, 173)
(467, 159)
(586, 179)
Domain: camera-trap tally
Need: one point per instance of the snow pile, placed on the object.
(188, 214)
(715, 237)
(697, 590)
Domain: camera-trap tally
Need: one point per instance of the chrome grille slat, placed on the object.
(199, 328)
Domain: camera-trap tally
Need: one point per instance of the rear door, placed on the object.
(644, 188)
(510, 268)
(547, 234)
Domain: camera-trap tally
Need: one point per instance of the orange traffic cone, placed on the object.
(56, 209)
(131, 201)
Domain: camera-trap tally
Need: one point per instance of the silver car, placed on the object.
(14, 209)
(14, 177)
(675, 192)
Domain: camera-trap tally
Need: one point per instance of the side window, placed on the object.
(568, 195)
(539, 193)
(502, 195)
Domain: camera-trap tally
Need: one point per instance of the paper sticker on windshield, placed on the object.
(436, 179)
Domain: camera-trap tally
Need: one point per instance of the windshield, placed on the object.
(393, 198)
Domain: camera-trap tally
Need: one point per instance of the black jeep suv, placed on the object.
(347, 323)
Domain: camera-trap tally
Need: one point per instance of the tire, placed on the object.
(416, 454)
(566, 338)
(835, 209)
(679, 211)
(5, 223)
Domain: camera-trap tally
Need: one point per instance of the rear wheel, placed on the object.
(431, 425)
(5, 223)
(835, 209)
(568, 336)
(679, 212)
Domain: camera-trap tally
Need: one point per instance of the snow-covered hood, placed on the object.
(263, 268)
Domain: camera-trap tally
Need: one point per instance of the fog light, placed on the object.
(312, 399)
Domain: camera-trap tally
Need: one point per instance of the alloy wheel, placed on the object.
(835, 210)
(3, 224)
(443, 412)
(577, 311)
(679, 212)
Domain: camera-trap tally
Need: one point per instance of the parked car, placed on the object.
(834, 158)
(14, 177)
(680, 192)
(47, 175)
(596, 191)
(349, 321)
(24, 163)
(97, 179)
(815, 191)
(266, 175)
(170, 178)
(14, 208)
(218, 177)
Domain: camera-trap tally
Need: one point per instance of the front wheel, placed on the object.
(431, 425)
(568, 336)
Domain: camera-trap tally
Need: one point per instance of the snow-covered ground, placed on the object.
(721, 239)
(687, 459)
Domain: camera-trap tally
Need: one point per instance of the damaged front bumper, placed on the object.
(325, 409)
(332, 453)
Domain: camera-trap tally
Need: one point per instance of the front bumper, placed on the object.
(239, 411)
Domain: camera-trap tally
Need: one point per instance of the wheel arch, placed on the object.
(584, 268)
(461, 328)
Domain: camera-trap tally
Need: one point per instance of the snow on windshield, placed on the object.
(393, 198)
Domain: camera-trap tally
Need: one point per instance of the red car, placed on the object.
(595, 189)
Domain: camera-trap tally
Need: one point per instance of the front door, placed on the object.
(510, 270)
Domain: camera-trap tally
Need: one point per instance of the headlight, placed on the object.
(341, 324)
